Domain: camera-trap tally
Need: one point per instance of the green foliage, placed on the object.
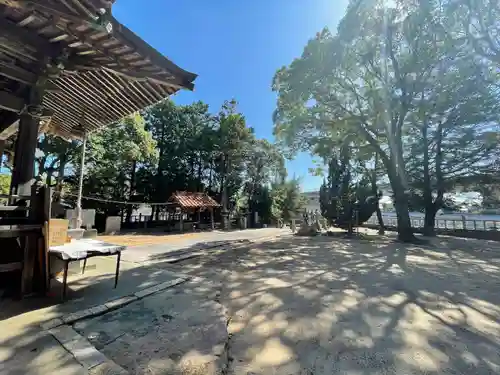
(395, 79)
(287, 199)
(54, 156)
(345, 203)
(4, 186)
(172, 147)
(234, 140)
(110, 162)
(481, 28)
(4, 183)
(264, 165)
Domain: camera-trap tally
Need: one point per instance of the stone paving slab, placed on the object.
(96, 310)
(64, 334)
(52, 323)
(116, 303)
(42, 355)
(167, 331)
(108, 306)
(107, 368)
(83, 352)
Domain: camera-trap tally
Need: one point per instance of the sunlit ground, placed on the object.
(138, 239)
(326, 305)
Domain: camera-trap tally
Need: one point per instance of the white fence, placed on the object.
(450, 222)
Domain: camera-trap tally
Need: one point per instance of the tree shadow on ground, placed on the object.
(327, 305)
(23, 346)
(323, 305)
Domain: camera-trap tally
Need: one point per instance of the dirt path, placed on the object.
(335, 306)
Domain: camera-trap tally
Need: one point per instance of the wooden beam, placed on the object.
(141, 77)
(7, 120)
(11, 102)
(17, 74)
(10, 130)
(52, 87)
(50, 8)
(184, 79)
(24, 157)
(29, 37)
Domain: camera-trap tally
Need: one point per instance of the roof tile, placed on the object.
(193, 200)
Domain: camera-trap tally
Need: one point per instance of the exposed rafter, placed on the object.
(8, 27)
(17, 74)
(11, 102)
(108, 76)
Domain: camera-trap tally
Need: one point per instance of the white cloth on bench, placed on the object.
(80, 249)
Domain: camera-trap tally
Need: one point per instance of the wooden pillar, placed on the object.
(24, 158)
(79, 220)
(181, 223)
(199, 215)
(212, 223)
(225, 222)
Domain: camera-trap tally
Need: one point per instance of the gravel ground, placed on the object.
(328, 305)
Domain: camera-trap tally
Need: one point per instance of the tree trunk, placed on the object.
(430, 212)
(405, 231)
(381, 226)
(224, 196)
(60, 173)
(153, 210)
(157, 213)
(159, 174)
(131, 192)
(209, 188)
(48, 180)
(430, 220)
(199, 183)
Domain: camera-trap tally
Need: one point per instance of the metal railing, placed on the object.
(462, 223)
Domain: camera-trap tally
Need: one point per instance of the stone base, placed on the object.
(308, 230)
(90, 233)
(75, 234)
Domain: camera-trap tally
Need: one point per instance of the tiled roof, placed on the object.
(193, 200)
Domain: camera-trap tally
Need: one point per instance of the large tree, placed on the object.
(54, 157)
(264, 164)
(185, 138)
(233, 147)
(113, 154)
(452, 136)
(369, 80)
(346, 197)
(481, 29)
(287, 199)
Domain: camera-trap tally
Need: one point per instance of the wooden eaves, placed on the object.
(98, 76)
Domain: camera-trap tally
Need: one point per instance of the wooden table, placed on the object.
(82, 250)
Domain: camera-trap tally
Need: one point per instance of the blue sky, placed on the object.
(235, 47)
